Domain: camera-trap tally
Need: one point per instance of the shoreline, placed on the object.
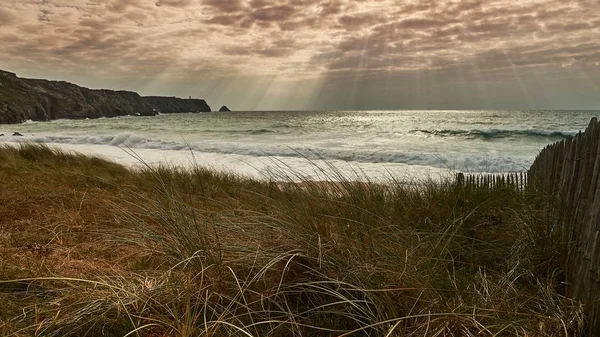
(262, 168)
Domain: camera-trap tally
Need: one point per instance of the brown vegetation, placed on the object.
(90, 248)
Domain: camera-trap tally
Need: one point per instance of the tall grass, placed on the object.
(172, 252)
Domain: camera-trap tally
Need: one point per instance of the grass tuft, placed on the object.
(90, 248)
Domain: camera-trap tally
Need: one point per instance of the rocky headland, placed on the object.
(22, 99)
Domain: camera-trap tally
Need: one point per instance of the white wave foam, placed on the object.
(458, 161)
(273, 168)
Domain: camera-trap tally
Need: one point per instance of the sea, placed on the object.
(318, 145)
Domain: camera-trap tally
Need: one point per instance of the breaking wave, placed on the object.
(135, 141)
(496, 133)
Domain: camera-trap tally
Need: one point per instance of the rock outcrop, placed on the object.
(224, 109)
(42, 100)
(168, 105)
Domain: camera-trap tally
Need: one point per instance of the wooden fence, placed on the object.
(567, 172)
(494, 181)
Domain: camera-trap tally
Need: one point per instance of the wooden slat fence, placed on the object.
(567, 173)
(494, 181)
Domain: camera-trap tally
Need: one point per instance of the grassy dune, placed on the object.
(90, 248)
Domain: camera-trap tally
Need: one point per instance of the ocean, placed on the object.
(315, 144)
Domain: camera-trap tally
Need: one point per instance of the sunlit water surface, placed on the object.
(373, 144)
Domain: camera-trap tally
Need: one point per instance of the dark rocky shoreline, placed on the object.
(23, 99)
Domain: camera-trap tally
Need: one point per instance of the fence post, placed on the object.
(568, 172)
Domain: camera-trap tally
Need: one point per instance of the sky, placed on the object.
(310, 54)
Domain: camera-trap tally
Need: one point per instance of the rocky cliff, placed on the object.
(170, 105)
(41, 100)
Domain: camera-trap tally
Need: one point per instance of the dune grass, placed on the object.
(90, 248)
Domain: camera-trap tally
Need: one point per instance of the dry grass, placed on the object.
(89, 248)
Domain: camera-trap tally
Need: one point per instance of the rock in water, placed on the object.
(224, 109)
(16, 134)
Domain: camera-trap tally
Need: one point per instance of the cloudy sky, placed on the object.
(316, 54)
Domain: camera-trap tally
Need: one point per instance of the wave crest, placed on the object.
(496, 133)
(133, 141)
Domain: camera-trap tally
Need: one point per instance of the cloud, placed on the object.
(7, 17)
(358, 21)
(273, 13)
(120, 6)
(175, 3)
(330, 8)
(227, 6)
(330, 40)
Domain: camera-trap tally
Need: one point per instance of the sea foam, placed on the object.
(455, 161)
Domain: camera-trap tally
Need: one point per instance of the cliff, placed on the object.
(169, 105)
(41, 100)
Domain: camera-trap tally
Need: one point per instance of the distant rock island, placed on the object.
(22, 99)
(224, 108)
